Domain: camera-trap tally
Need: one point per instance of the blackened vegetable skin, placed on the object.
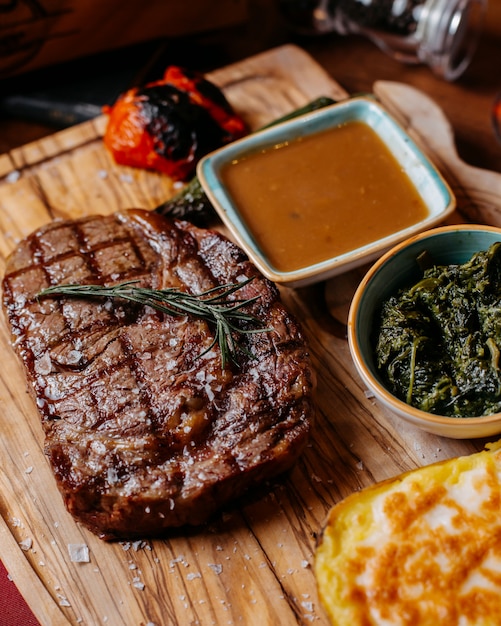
(169, 124)
(438, 342)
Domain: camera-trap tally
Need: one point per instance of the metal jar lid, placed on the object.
(449, 31)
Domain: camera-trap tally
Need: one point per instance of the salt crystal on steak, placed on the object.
(142, 432)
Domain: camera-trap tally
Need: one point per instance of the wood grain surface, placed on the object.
(252, 564)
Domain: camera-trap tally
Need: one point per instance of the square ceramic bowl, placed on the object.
(431, 187)
(398, 268)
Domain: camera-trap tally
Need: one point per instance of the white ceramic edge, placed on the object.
(327, 269)
(452, 427)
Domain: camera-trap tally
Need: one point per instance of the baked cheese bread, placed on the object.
(422, 549)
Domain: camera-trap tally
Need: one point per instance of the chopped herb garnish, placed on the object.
(214, 306)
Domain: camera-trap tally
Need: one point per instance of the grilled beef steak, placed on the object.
(143, 430)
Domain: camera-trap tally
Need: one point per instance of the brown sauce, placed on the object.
(320, 196)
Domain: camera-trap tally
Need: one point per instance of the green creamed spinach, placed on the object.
(438, 342)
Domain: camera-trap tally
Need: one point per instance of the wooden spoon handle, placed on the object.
(478, 191)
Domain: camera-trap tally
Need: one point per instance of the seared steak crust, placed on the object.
(141, 431)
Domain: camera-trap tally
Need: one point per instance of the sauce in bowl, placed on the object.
(322, 195)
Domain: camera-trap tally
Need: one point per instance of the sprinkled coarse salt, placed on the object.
(126, 178)
(112, 476)
(63, 601)
(74, 357)
(217, 568)
(209, 392)
(26, 544)
(193, 575)
(13, 176)
(79, 552)
(102, 174)
(43, 365)
(178, 559)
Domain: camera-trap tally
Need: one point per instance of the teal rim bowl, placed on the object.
(429, 183)
(398, 268)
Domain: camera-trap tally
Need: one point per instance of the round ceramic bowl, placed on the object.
(398, 268)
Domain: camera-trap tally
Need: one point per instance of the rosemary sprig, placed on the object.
(212, 305)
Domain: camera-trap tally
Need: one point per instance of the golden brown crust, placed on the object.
(421, 549)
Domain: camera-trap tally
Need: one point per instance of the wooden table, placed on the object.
(354, 62)
(253, 564)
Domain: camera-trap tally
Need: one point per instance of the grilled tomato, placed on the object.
(169, 124)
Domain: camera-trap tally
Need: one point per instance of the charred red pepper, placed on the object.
(169, 124)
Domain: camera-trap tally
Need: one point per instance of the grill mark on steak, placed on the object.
(142, 429)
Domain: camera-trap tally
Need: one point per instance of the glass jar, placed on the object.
(441, 33)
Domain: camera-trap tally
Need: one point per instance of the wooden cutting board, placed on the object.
(252, 564)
